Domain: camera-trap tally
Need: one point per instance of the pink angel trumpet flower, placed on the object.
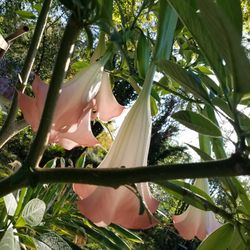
(77, 99)
(106, 205)
(196, 222)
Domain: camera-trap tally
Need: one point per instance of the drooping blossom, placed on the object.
(81, 99)
(106, 205)
(196, 222)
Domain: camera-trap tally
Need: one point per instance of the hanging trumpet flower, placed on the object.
(105, 205)
(195, 222)
(89, 91)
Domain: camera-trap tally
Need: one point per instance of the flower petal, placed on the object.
(119, 206)
(195, 222)
(76, 94)
(81, 136)
(107, 106)
(30, 111)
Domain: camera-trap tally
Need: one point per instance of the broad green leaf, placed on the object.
(205, 146)
(211, 85)
(189, 14)
(221, 104)
(232, 9)
(244, 121)
(184, 78)
(167, 21)
(10, 204)
(219, 239)
(33, 212)
(237, 243)
(25, 14)
(218, 40)
(227, 42)
(197, 122)
(143, 54)
(202, 154)
(54, 241)
(9, 242)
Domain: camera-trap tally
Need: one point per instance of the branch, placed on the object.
(114, 177)
(71, 33)
(29, 61)
(11, 131)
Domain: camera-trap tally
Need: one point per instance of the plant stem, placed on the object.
(114, 177)
(29, 61)
(71, 33)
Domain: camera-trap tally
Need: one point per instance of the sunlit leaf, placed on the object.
(33, 212)
(184, 78)
(9, 242)
(167, 23)
(219, 239)
(25, 14)
(10, 204)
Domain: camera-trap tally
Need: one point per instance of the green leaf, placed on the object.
(205, 145)
(20, 222)
(154, 108)
(204, 156)
(118, 241)
(184, 194)
(165, 35)
(227, 43)
(193, 189)
(219, 239)
(221, 104)
(10, 204)
(54, 241)
(39, 245)
(37, 7)
(237, 243)
(184, 78)
(220, 43)
(232, 9)
(79, 65)
(131, 236)
(25, 14)
(242, 194)
(143, 53)
(197, 122)
(9, 242)
(33, 212)
(101, 239)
